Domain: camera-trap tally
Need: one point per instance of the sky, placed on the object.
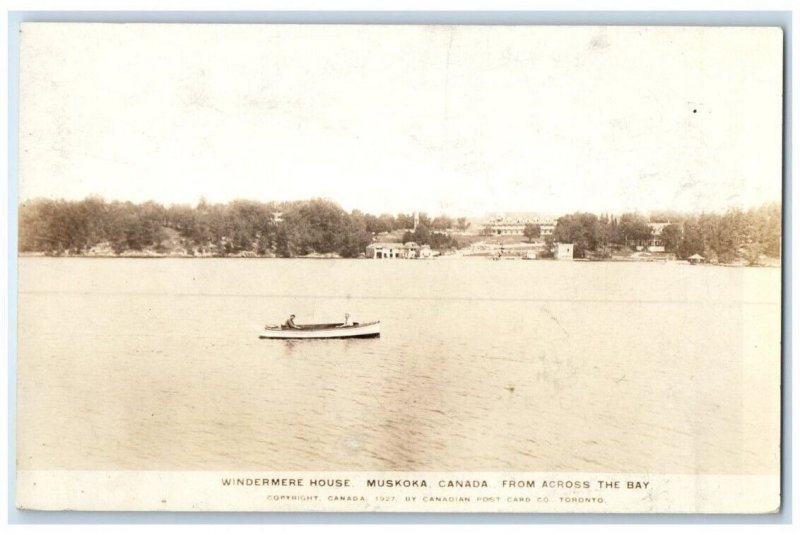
(461, 120)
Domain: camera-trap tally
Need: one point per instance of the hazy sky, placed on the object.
(463, 120)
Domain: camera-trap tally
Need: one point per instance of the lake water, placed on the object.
(155, 364)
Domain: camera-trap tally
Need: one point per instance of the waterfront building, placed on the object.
(564, 251)
(385, 250)
(514, 224)
(406, 250)
(656, 244)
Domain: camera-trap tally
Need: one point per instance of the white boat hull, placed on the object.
(312, 332)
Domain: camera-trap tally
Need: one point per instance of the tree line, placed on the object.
(726, 237)
(320, 226)
(285, 229)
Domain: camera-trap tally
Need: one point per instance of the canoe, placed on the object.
(323, 330)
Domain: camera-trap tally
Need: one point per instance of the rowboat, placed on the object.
(370, 329)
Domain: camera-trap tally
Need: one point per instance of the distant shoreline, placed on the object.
(774, 263)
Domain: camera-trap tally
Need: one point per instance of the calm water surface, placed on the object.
(544, 366)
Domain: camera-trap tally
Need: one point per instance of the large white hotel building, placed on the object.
(514, 224)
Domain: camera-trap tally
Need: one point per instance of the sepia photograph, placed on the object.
(400, 268)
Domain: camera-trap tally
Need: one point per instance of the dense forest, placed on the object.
(240, 227)
(724, 238)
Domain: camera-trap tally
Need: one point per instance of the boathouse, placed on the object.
(398, 250)
(564, 251)
(385, 250)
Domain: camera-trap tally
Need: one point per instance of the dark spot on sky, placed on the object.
(694, 111)
(598, 42)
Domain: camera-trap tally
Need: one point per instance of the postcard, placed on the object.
(399, 268)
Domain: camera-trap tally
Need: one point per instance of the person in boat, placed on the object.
(347, 321)
(290, 324)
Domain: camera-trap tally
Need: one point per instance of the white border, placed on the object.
(386, 5)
